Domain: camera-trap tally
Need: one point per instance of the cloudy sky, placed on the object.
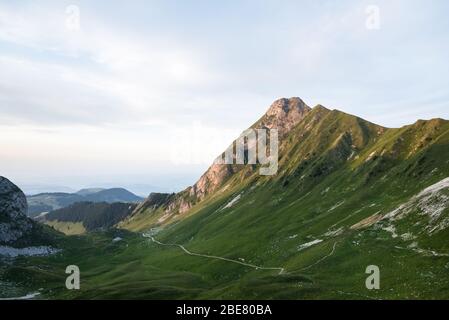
(149, 92)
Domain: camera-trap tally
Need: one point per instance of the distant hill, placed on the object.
(87, 216)
(46, 202)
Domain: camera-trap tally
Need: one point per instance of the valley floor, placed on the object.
(144, 268)
(317, 246)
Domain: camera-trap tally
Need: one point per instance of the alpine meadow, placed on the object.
(229, 158)
(348, 194)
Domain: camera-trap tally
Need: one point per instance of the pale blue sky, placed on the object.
(122, 99)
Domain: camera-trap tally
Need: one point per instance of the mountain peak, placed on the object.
(284, 114)
(286, 106)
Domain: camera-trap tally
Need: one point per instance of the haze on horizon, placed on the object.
(148, 92)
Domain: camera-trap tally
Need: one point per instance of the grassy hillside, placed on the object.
(68, 228)
(348, 194)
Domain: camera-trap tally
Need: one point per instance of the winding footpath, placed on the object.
(322, 259)
(281, 270)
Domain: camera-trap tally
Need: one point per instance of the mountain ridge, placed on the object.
(304, 132)
(348, 194)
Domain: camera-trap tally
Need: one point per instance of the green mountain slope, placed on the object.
(348, 194)
(320, 144)
(338, 177)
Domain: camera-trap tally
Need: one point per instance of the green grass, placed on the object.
(319, 193)
(68, 228)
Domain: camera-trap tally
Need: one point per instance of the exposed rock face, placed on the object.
(14, 223)
(284, 114)
(211, 180)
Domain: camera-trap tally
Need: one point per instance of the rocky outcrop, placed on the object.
(283, 115)
(14, 223)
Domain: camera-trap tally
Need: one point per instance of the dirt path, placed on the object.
(357, 295)
(320, 260)
(281, 270)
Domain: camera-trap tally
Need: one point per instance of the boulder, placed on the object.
(14, 223)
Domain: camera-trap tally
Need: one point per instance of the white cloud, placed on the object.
(118, 94)
(97, 72)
